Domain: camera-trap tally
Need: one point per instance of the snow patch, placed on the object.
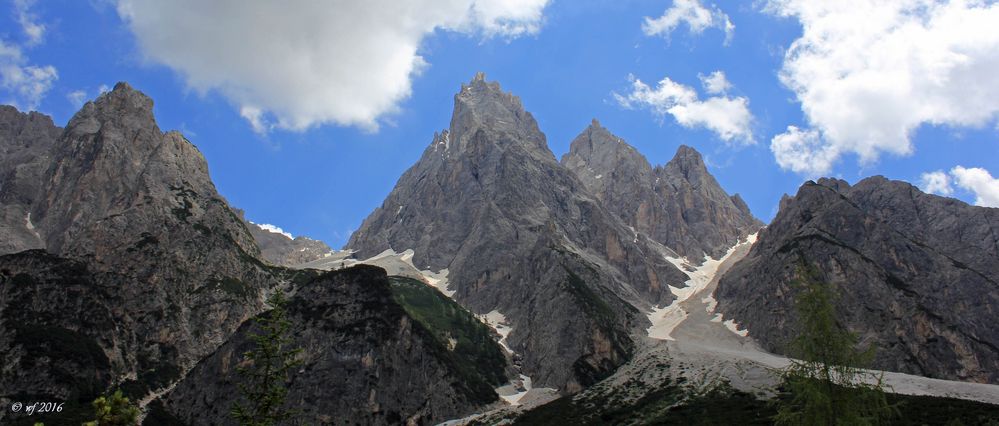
(497, 321)
(389, 257)
(710, 302)
(665, 320)
(438, 280)
(514, 399)
(598, 176)
(399, 210)
(731, 325)
(31, 226)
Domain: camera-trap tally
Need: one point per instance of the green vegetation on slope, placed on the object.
(469, 341)
(825, 378)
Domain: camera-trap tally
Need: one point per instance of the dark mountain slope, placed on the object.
(364, 359)
(917, 274)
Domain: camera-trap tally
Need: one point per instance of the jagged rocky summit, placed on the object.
(283, 250)
(131, 269)
(135, 234)
(538, 241)
(917, 275)
(679, 205)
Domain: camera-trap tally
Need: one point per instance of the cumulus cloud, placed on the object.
(868, 73)
(77, 98)
(726, 116)
(271, 228)
(298, 64)
(715, 83)
(979, 182)
(24, 84)
(691, 12)
(33, 30)
(803, 151)
(936, 183)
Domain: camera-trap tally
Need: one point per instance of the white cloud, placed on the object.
(77, 98)
(271, 228)
(869, 72)
(298, 64)
(803, 151)
(33, 30)
(726, 116)
(715, 83)
(255, 117)
(936, 183)
(980, 182)
(25, 84)
(691, 12)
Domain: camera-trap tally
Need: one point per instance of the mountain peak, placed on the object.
(604, 150)
(123, 104)
(478, 91)
(679, 205)
(688, 154)
(689, 163)
(483, 106)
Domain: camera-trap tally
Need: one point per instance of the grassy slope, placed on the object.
(477, 355)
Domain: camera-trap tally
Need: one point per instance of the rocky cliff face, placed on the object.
(679, 205)
(146, 271)
(137, 238)
(364, 359)
(917, 275)
(520, 234)
(58, 336)
(26, 140)
(279, 249)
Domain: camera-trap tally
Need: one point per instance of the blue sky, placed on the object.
(569, 61)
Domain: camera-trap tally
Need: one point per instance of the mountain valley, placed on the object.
(495, 283)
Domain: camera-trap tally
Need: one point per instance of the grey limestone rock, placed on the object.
(363, 360)
(679, 205)
(917, 275)
(521, 234)
(26, 140)
(281, 250)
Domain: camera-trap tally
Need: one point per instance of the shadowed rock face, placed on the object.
(153, 247)
(521, 234)
(146, 271)
(917, 275)
(26, 140)
(363, 359)
(679, 205)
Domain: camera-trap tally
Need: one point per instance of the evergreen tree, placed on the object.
(826, 381)
(114, 410)
(266, 368)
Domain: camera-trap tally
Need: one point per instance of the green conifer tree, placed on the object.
(265, 370)
(114, 410)
(826, 382)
